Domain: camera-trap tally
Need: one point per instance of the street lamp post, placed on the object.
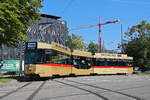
(20, 71)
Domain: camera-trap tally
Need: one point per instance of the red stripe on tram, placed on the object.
(109, 67)
(58, 65)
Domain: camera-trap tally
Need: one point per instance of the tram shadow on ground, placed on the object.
(27, 79)
(76, 76)
(23, 78)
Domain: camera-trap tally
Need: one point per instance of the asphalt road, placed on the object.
(112, 87)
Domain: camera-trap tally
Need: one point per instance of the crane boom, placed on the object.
(83, 27)
(92, 25)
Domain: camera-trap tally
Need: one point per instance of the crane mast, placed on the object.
(99, 38)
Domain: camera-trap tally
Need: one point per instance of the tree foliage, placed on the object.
(15, 17)
(92, 47)
(137, 44)
(76, 42)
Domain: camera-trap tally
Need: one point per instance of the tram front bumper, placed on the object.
(30, 69)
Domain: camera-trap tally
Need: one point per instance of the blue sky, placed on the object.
(86, 12)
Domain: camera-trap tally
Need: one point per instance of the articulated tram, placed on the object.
(47, 60)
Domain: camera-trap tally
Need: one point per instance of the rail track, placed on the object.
(11, 92)
(36, 91)
(27, 84)
(94, 93)
(97, 87)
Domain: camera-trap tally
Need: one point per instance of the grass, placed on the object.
(5, 80)
(143, 73)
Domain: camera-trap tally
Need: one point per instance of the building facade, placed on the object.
(48, 29)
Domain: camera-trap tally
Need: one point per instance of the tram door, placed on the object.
(82, 65)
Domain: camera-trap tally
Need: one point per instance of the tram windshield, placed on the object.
(34, 57)
(41, 56)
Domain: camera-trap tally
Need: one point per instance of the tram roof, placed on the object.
(64, 49)
(54, 46)
(81, 53)
(60, 48)
(42, 45)
(112, 56)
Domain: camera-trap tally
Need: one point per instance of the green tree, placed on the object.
(137, 44)
(15, 17)
(92, 47)
(76, 42)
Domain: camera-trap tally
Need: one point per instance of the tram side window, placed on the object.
(112, 62)
(129, 63)
(63, 59)
(76, 63)
(89, 63)
(82, 63)
(57, 57)
(48, 58)
(109, 62)
(122, 63)
(40, 56)
(100, 62)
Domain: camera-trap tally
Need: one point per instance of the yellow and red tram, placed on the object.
(46, 60)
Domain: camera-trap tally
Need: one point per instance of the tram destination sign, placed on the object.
(31, 45)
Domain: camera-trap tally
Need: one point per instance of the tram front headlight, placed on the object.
(29, 68)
